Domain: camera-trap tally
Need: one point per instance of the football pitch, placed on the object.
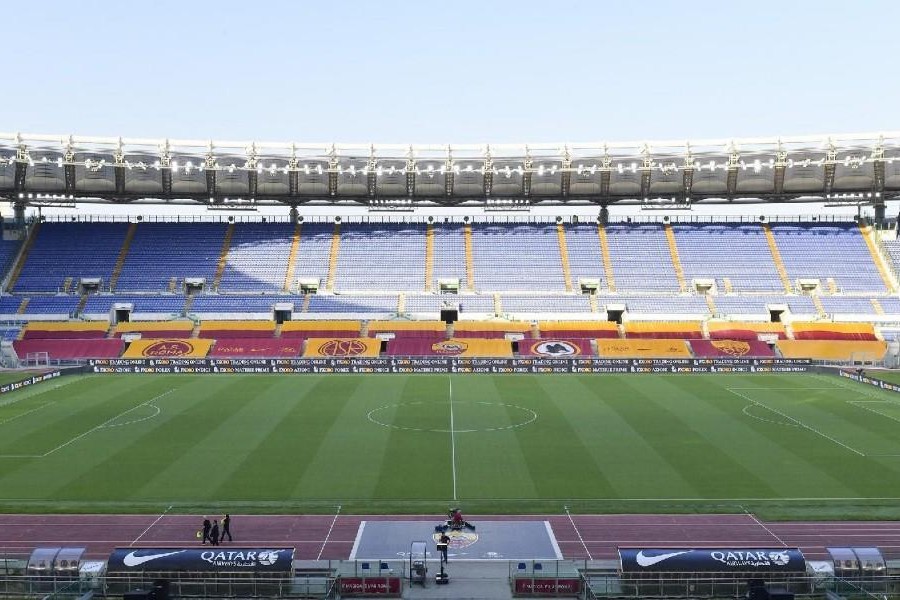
(781, 446)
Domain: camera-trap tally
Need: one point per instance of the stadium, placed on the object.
(683, 349)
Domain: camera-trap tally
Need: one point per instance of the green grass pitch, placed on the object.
(782, 446)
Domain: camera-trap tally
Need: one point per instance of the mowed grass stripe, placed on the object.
(127, 457)
(633, 466)
(777, 450)
(683, 435)
(414, 458)
(492, 461)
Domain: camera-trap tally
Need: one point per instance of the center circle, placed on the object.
(467, 417)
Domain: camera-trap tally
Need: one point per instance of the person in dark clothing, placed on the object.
(226, 527)
(214, 534)
(445, 540)
(206, 527)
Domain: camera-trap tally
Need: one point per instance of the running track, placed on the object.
(331, 537)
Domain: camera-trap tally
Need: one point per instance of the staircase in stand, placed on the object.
(306, 299)
(22, 306)
(877, 257)
(23, 256)
(470, 261)
(876, 305)
(710, 304)
(676, 261)
(564, 255)
(333, 257)
(607, 259)
(81, 304)
(429, 257)
(817, 302)
(223, 256)
(123, 254)
(292, 259)
(776, 257)
(498, 306)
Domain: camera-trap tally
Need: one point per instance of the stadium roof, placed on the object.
(57, 170)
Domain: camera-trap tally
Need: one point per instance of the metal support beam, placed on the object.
(293, 173)
(19, 213)
(830, 164)
(119, 167)
(646, 170)
(605, 175)
(734, 161)
(210, 164)
(526, 176)
(333, 165)
(566, 172)
(410, 173)
(165, 161)
(448, 173)
(252, 170)
(487, 172)
(371, 175)
(780, 169)
(69, 167)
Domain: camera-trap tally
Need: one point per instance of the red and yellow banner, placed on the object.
(192, 348)
(341, 347)
(643, 348)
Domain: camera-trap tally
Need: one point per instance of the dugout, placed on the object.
(711, 572)
(206, 572)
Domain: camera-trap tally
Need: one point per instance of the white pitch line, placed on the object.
(104, 424)
(797, 421)
(328, 535)
(859, 403)
(11, 419)
(452, 437)
(144, 532)
(578, 533)
(761, 524)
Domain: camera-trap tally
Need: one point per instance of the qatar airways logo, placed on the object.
(239, 558)
(751, 558)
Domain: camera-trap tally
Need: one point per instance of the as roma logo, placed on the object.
(731, 347)
(555, 348)
(168, 348)
(450, 347)
(342, 348)
(458, 539)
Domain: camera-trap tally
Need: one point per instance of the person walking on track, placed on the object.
(214, 534)
(206, 527)
(226, 527)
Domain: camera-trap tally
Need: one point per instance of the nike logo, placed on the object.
(131, 560)
(649, 561)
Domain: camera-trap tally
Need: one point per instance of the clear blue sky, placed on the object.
(464, 72)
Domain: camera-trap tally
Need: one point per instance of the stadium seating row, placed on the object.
(487, 257)
(72, 349)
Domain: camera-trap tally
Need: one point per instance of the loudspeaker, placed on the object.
(449, 315)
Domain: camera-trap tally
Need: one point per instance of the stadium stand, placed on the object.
(60, 330)
(220, 303)
(517, 257)
(522, 303)
(382, 256)
(313, 253)
(832, 350)
(409, 329)
(643, 348)
(237, 329)
(468, 303)
(468, 347)
(70, 251)
(256, 347)
(585, 253)
(58, 306)
(488, 329)
(323, 328)
(758, 305)
(163, 252)
(257, 259)
(155, 304)
(641, 258)
(354, 304)
(743, 330)
(679, 330)
(69, 349)
(449, 255)
(155, 329)
(708, 251)
(731, 349)
(657, 304)
(828, 250)
(341, 347)
(578, 329)
(556, 347)
(833, 331)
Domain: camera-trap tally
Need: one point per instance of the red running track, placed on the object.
(332, 537)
